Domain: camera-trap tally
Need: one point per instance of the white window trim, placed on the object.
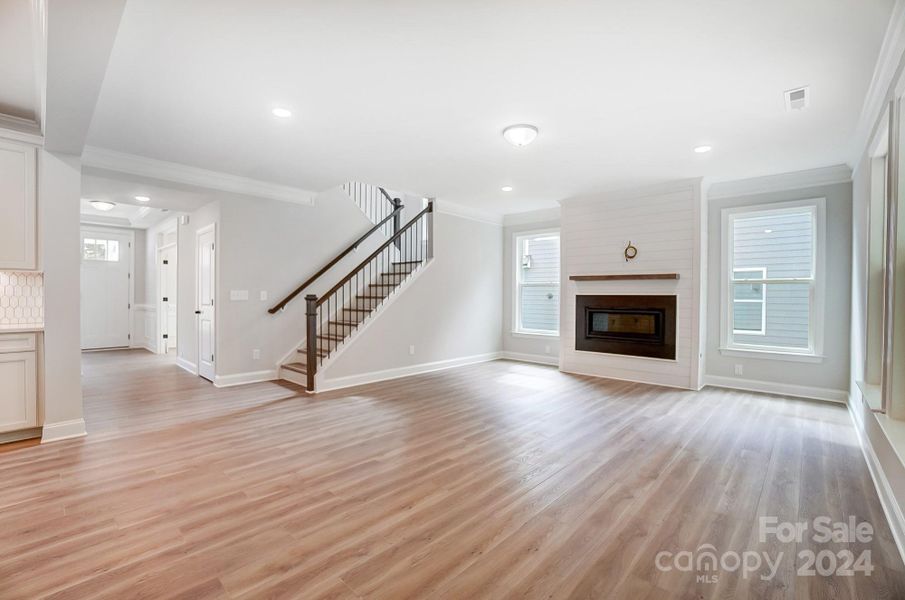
(517, 331)
(814, 351)
(762, 302)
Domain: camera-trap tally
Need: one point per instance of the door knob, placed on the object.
(197, 312)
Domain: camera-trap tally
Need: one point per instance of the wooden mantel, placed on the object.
(624, 276)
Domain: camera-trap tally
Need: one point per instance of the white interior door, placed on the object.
(205, 311)
(105, 281)
(167, 278)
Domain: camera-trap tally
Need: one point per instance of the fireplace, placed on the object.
(631, 325)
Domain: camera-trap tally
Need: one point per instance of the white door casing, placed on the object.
(106, 296)
(205, 294)
(167, 291)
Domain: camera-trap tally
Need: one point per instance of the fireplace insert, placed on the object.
(631, 325)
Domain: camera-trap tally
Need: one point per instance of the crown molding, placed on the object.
(643, 191)
(781, 182)
(885, 70)
(20, 130)
(466, 212)
(532, 216)
(141, 166)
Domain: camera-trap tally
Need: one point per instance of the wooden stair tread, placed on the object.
(297, 367)
(364, 310)
(320, 351)
(331, 336)
(407, 262)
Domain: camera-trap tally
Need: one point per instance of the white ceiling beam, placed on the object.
(80, 37)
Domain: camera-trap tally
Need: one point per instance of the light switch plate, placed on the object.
(263, 295)
(238, 295)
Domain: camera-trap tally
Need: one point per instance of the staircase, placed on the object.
(334, 317)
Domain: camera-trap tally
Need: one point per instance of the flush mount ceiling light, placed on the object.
(520, 135)
(703, 149)
(282, 113)
(102, 205)
(506, 188)
(143, 198)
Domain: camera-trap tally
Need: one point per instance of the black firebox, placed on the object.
(631, 325)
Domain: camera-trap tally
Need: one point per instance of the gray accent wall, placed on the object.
(832, 372)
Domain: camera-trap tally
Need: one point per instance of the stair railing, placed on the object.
(391, 216)
(375, 202)
(338, 312)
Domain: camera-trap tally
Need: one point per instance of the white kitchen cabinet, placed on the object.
(18, 205)
(18, 382)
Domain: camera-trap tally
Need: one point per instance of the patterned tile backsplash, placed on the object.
(21, 298)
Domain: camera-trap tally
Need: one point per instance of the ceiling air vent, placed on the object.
(798, 99)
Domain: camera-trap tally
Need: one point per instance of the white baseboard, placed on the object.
(783, 389)
(186, 365)
(375, 376)
(64, 430)
(891, 509)
(540, 359)
(222, 381)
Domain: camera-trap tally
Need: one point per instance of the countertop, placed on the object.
(22, 328)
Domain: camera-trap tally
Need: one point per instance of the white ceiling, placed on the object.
(413, 94)
(121, 190)
(123, 215)
(18, 86)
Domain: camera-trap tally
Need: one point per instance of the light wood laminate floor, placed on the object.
(499, 480)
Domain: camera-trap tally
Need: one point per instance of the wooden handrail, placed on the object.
(338, 258)
(406, 227)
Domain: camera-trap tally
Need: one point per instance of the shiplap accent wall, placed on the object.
(664, 223)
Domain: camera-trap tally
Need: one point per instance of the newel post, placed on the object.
(430, 228)
(311, 337)
(397, 217)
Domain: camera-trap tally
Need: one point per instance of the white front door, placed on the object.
(105, 274)
(205, 310)
(167, 279)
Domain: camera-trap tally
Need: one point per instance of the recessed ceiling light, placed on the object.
(768, 231)
(703, 149)
(283, 113)
(520, 135)
(102, 205)
(143, 198)
(506, 188)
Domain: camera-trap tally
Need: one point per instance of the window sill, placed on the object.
(871, 394)
(523, 334)
(772, 355)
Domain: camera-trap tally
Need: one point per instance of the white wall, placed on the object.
(828, 378)
(664, 223)
(59, 191)
(526, 347)
(882, 437)
(451, 312)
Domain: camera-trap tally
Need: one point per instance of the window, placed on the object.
(773, 294)
(102, 250)
(537, 283)
(749, 303)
